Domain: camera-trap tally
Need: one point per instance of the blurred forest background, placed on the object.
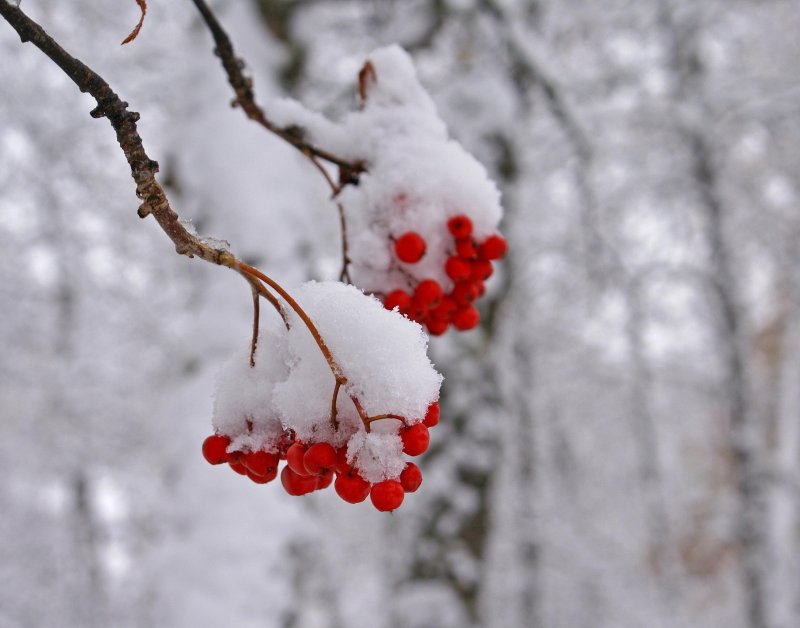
(619, 444)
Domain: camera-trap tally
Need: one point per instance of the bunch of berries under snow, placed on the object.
(344, 404)
(422, 220)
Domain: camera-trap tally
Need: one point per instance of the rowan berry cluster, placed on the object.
(313, 466)
(467, 264)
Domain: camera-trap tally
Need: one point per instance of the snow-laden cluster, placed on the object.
(417, 180)
(286, 398)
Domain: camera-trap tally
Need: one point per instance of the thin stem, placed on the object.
(300, 312)
(245, 98)
(254, 341)
(334, 409)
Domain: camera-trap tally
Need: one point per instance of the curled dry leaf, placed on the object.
(135, 32)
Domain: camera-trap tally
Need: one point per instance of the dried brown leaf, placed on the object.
(143, 6)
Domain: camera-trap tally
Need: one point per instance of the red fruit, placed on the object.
(481, 269)
(320, 459)
(416, 439)
(260, 462)
(437, 326)
(460, 226)
(428, 293)
(493, 247)
(409, 247)
(238, 467)
(464, 293)
(342, 465)
(294, 458)
(466, 249)
(263, 479)
(387, 495)
(466, 318)
(398, 299)
(445, 309)
(295, 484)
(432, 415)
(351, 487)
(410, 478)
(457, 268)
(215, 449)
(417, 313)
(324, 480)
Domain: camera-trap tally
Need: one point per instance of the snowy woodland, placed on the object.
(619, 441)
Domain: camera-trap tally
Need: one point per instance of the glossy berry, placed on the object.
(493, 247)
(320, 459)
(215, 449)
(466, 249)
(324, 480)
(464, 293)
(466, 318)
(460, 226)
(409, 247)
(432, 415)
(457, 268)
(387, 495)
(410, 478)
(351, 487)
(263, 479)
(398, 299)
(238, 467)
(445, 309)
(342, 465)
(297, 485)
(416, 439)
(428, 293)
(437, 326)
(481, 269)
(294, 459)
(260, 462)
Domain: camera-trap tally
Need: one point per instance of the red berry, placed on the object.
(387, 495)
(432, 415)
(263, 479)
(324, 480)
(428, 293)
(260, 462)
(466, 318)
(481, 269)
(320, 459)
(493, 247)
(295, 484)
(409, 247)
(294, 458)
(351, 487)
(398, 299)
(457, 268)
(416, 439)
(445, 309)
(466, 249)
(437, 326)
(464, 293)
(410, 478)
(460, 226)
(215, 449)
(238, 467)
(342, 465)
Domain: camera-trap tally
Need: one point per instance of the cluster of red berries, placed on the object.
(312, 467)
(468, 265)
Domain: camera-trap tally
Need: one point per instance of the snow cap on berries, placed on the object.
(382, 355)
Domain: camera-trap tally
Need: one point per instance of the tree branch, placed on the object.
(245, 98)
(109, 105)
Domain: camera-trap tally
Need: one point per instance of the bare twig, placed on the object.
(245, 98)
(256, 313)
